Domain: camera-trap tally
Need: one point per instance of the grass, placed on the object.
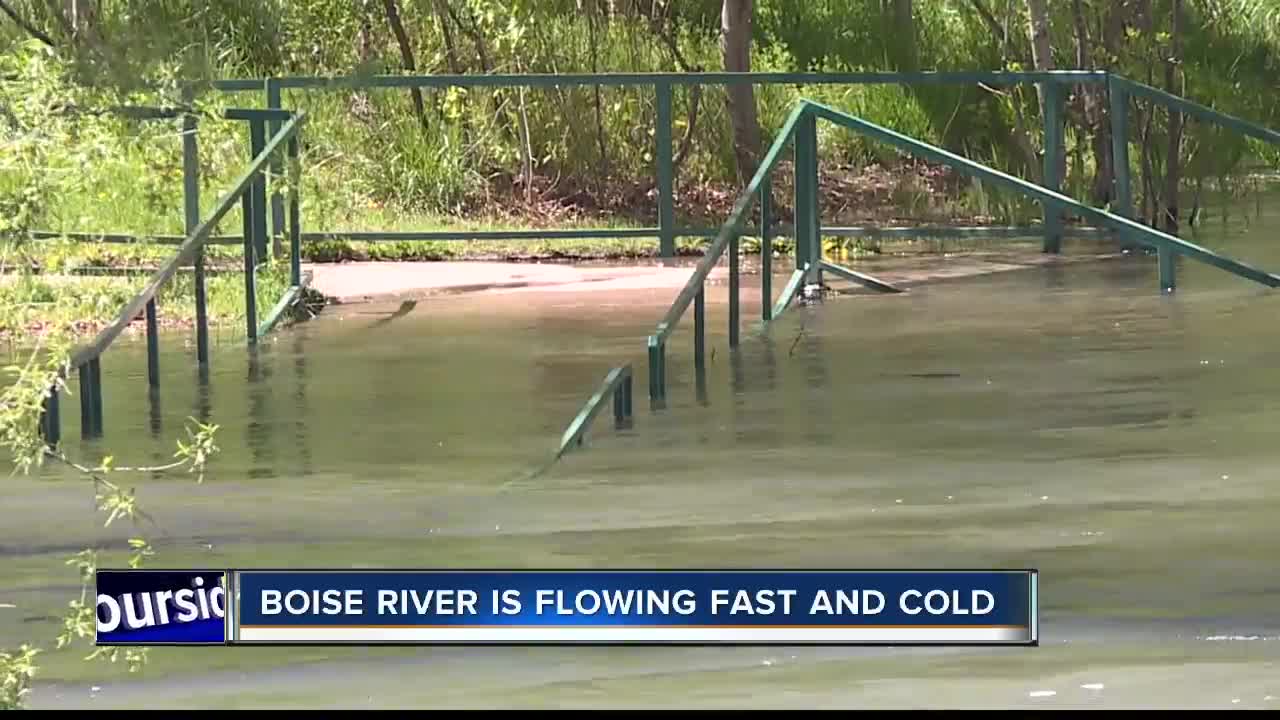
(59, 292)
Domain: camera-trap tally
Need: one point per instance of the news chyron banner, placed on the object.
(562, 607)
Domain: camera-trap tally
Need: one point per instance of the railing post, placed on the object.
(86, 401)
(95, 378)
(699, 330)
(50, 419)
(295, 215)
(734, 291)
(258, 223)
(1119, 99)
(657, 371)
(250, 286)
(626, 396)
(766, 250)
(153, 345)
(808, 249)
(1122, 201)
(622, 402)
(666, 172)
(277, 165)
(1168, 271)
(1052, 163)
(191, 219)
(800, 202)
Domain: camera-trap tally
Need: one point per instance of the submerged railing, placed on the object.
(1119, 90)
(616, 385)
(249, 190)
(800, 127)
(800, 131)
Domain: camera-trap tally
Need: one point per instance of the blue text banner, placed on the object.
(558, 607)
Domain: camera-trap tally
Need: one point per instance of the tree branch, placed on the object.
(994, 25)
(406, 57)
(662, 28)
(30, 29)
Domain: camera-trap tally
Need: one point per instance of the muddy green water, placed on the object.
(1069, 419)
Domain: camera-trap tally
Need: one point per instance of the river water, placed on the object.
(1070, 419)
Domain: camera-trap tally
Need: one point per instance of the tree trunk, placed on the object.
(82, 15)
(735, 47)
(360, 105)
(1151, 198)
(1113, 29)
(27, 27)
(662, 26)
(472, 30)
(406, 57)
(1042, 56)
(1173, 161)
(1021, 137)
(903, 48)
(1095, 121)
(446, 31)
(601, 143)
(1041, 48)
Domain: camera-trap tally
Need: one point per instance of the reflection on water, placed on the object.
(1069, 419)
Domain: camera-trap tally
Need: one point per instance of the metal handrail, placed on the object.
(662, 84)
(1183, 105)
(729, 231)
(86, 358)
(188, 249)
(617, 384)
(1161, 241)
(667, 228)
(808, 253)
(671, 78)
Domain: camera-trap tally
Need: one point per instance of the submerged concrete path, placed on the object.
(378, 281)
(357, 282)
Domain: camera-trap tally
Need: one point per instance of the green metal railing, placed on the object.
(249, 189)
(668, 229)
(800, 129)
(616, 385)
(273, 126)
(1119, 91)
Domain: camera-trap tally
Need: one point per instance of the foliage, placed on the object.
(367, 153)
(53, 133)
(16, 672)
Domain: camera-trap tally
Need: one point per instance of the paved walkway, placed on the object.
(345, 283)
(379, 281)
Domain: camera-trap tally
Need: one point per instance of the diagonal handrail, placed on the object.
(1190, 107)
(616, 385)
(189, 247)
(809, 260)
(1139, 232)
(729, 230)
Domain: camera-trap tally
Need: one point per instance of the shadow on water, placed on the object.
(154, 415)
(260, 429)
(302, 437)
